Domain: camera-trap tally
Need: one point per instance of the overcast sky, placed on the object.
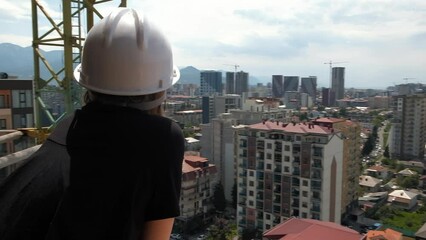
(379, 42)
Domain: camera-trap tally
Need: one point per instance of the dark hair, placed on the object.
(91, 96)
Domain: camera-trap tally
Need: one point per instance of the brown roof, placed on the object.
(307, 229)
(329, 120)
(378, 168)
(387, 234)
(292, 128)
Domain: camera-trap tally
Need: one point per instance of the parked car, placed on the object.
(201, 237)
(175, 236)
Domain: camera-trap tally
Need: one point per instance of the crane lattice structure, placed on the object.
(407, 78)
(67, 34)
(331, 69)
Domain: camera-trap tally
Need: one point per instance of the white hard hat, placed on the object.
(126, 55)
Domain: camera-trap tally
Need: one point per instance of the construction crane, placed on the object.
(407, 78)
(236, 66)
(68, 35)
(331, 69)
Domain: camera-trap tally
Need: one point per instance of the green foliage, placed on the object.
(219, 201)
(249, 233)
(368, 146)
(222, 229)
(386, 152)
(343, 112)
(408, 182)
(411, 221)
(234, 195)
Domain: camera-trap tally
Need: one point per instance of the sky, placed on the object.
(380, 43)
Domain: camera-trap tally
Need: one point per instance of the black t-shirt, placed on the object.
(30, 195)
(126, 169)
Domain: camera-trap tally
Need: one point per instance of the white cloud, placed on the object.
(381, 39)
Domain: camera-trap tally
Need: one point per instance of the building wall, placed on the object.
(408, 127)
(338, 82)
(288, 175)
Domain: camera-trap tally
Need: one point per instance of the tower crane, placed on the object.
(236, 66)
(67, 35)
(331, 69)
(407, 78)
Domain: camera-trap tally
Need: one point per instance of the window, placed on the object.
(304, 204)
(251, 183)
(268, 166)
(286, 159)
(304, 215)
(287, 148)
(286, 169)
(305, 183)
(268, 156)
(251, 173)
(2, 123)
(2, 101)
(304, 193)
(251, 203)
(251, 193)
(269, 145)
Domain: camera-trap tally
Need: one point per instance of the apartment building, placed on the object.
(16, 111)
(198, 182)
(408, 133)
(292, 169)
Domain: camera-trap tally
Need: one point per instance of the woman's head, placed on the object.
(150, 103)
(126, 55)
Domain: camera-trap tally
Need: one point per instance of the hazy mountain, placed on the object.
(18, 61)
(189, 75)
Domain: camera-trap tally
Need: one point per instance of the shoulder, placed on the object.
(59, 133)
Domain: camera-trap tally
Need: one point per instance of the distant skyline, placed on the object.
(379, 42)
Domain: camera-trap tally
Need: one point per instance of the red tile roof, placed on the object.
(330, 120)
(387, 234)
(292, 128)
(308, 229)
(377, 168)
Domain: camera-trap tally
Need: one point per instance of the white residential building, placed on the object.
(294, 169)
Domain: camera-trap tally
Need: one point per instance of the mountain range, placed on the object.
(19, 61)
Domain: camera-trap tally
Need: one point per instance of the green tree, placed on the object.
(222, 229)
(386, 152)
(343, 112)
(368, 146)
(249, 233)
(234, 195)
(219, 201)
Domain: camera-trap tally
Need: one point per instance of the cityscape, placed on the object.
(266, 156)
(298, 153)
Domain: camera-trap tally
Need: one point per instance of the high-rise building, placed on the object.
(328, 98)
(217, 144)
(211, 83)
(295, 169)
(277, 86)
(338, 82)
(309, 86)
(237, 82)
(408, 133)
(214, 105)
(291, 84)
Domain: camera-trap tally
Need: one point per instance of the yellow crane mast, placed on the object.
(66, 34)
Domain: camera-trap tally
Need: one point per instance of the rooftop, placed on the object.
(308, 229)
